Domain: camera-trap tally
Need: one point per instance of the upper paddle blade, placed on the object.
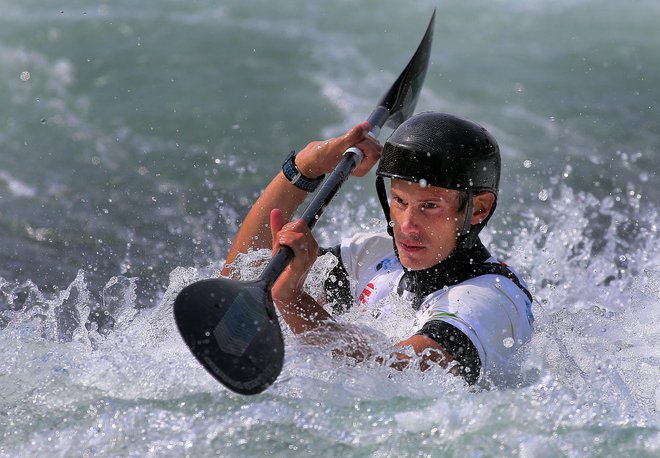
(402, 97)
(232, 329)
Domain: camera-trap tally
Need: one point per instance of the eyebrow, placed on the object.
(434, 198)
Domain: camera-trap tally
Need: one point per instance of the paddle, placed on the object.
(231, 326)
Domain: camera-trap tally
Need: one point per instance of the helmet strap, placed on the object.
(467, 223)
(384, 202)
(470, 233)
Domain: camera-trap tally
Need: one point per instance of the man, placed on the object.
(472, 310)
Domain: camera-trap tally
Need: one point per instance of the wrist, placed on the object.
(300, 178)
(288, 289)
(307, 164)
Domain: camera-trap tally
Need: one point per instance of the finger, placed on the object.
(277, 222)
(371, 147)
(299, 225)
(372, 150)
(298, 236)
(304, 250)
(294, 240)
(354, 136)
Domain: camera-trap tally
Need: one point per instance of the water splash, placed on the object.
(102, 367)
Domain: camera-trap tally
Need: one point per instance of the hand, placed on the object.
(321, 157)
(297, 236)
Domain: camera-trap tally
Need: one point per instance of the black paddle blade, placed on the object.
(401, 98)
(232, 329)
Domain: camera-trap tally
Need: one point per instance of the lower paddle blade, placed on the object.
(232, 329)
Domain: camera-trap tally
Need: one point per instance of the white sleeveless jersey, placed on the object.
(491, 310)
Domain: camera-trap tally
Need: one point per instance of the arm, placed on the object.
(430, 351)
(316, 159)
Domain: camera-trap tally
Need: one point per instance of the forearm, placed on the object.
(303, 313)
(255, 231)
(428, 351)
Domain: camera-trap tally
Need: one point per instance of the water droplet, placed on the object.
(391, 224)
(622, 258)
(508, 342)
(543, 195)
(423, 183)
(543, 229)
(25, 76)
(527, 163)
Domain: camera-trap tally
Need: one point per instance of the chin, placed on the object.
(415, 264)
(419, 267)
(419, 263)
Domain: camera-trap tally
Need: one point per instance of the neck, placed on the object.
(460, 265)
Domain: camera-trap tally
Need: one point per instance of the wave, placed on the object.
(101, 365)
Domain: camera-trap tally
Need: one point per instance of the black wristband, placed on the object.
(296, 177)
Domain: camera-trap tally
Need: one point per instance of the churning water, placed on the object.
(133, 138)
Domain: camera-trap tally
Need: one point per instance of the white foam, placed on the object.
(17, 187)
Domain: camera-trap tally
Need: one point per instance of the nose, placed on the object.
(407, 221)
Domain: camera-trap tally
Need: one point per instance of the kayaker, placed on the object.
(473, 311)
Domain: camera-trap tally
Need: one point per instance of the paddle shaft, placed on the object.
(349, 161)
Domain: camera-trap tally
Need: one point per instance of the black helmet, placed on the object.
(439, 149)
(444, 151)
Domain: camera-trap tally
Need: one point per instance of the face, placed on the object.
(426, 223)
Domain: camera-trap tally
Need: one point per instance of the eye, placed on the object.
(429, 205)
(398, 201)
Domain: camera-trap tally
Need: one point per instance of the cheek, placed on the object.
(443, 230)
(439, 221)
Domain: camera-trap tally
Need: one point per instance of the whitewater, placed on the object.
(133, 139)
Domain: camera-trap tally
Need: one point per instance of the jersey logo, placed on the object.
(384, 264)
(366, 292)
(444, 315)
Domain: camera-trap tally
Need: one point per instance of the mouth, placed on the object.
(410, 247)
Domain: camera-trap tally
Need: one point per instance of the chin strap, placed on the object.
(384, 202)
(467, 223)
(470, 233)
